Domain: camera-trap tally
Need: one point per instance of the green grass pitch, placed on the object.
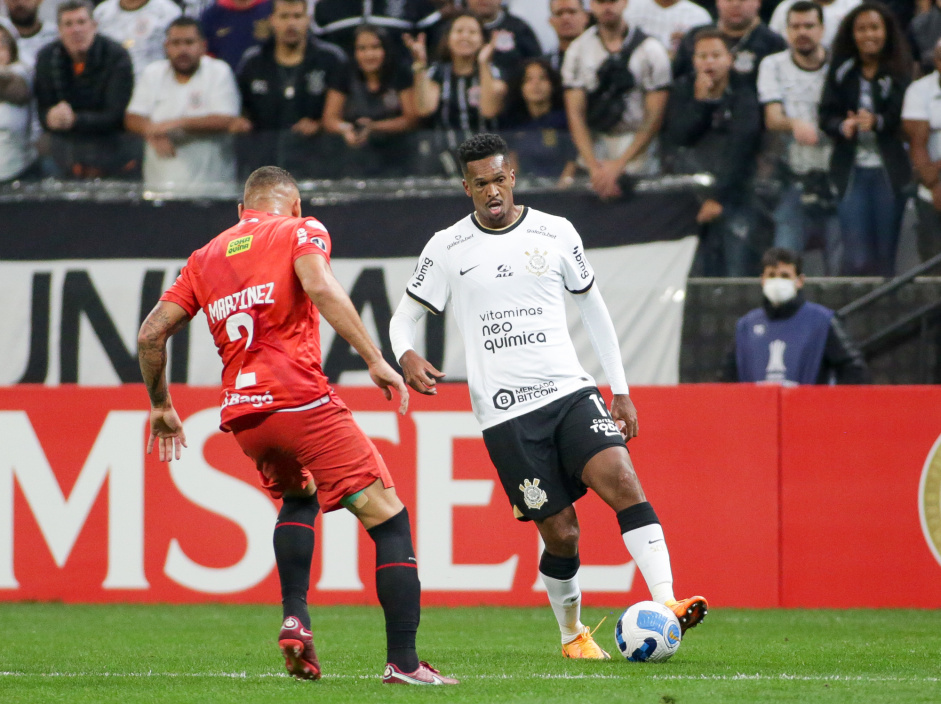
(78, 654)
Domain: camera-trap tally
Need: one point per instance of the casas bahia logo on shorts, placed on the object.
(929, 500)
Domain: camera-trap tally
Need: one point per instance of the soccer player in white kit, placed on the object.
(506, 269)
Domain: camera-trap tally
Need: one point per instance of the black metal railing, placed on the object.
(921, 323)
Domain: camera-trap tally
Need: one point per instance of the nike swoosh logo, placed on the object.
(464, 271)
(658, 540)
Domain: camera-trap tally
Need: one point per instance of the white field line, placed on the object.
(537, 676)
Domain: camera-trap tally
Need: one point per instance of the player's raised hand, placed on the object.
(420, 374)
(386, 378)
(166, 430)
(625, 416)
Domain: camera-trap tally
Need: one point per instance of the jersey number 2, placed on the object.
(233, 325)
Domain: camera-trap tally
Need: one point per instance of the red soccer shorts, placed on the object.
(324, 445)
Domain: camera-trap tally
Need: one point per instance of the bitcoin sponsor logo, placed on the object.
(929, 500)
(507, 398)
(503, 399)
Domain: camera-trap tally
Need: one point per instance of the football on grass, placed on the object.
(647, 632)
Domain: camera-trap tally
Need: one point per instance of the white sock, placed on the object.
(649, 550)
(565, 597)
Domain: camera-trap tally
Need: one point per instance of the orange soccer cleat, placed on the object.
(690, 612)
(584, 647)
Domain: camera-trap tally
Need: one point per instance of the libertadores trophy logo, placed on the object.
(929, 500)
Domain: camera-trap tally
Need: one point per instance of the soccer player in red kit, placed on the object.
(263, 285)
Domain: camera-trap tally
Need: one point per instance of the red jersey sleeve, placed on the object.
(310, 237)
(183, 291)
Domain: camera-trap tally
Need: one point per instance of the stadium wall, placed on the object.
(805, 497)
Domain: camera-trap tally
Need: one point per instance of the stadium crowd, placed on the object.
(835, 102)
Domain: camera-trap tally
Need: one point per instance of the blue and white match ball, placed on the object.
(647, 632)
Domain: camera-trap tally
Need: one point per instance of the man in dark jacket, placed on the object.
(285, 84)
(747, 37)
(789, 340)
(83, 85)
(712, 125)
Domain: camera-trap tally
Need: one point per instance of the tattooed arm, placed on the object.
(166, 429)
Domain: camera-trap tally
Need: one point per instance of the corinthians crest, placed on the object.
(532, 494)
(537, 264)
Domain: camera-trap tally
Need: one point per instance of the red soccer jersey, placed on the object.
(264, 325)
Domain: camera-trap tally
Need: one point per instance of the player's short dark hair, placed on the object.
(72, 6)
(185, 22)
(481, 146)
(263, 181)
(708, 33)
(782, 255)
(805, 6)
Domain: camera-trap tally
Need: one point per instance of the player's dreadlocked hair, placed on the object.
(480, 146)
(263, 183)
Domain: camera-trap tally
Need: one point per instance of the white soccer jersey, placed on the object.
(663, 22)
(28, 47)
(507, 289)
(923, 103)
(799, 91)
(140, 31)
(649, 63)
(203, 162)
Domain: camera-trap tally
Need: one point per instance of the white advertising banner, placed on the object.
(77, 321)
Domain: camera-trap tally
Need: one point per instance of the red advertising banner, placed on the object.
(768, 497)
(852, 462)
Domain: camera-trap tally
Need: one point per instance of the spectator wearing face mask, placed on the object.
(789, 340)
